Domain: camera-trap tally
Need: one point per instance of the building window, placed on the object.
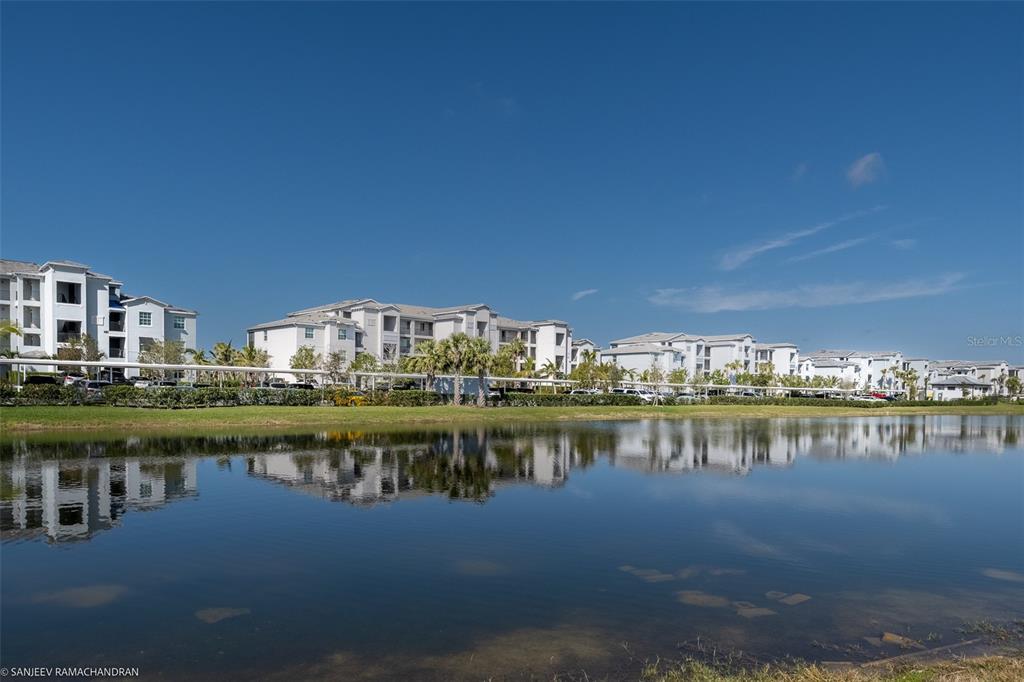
(342, 333)
(179, 322)
(264, 334)
(69, 292)
(32, 340)
(344, 356)
(145, 319)
(309, 332)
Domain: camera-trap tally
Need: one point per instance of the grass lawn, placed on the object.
(99, 417)
(976, 669)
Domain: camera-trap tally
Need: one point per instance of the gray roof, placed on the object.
(308, 320)
(9, 267)
(961, 380)
(954, 364)
(68, 263)
(654, 337)
(775, 345)
(660, 337)
(639, 348)
(826, 353)
(404, 308)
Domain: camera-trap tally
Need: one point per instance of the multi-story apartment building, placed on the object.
(993, 373)
(861, 369)
(699, 354)
(60, 300)
(390, 331)
(579, 350)
(779, 358)
(959, 386)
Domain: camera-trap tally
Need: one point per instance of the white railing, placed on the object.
(23, 363)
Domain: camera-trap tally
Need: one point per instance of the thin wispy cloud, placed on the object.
(737, 257)
(714, 299)
(583, 294)
(799, 172)
(904, 243)
(841, 246)
(866, 169)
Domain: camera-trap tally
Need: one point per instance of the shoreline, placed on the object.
(34, 420)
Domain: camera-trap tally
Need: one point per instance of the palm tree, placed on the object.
(480, 361)
(198, 358)
(529, 368)
(223, 353)
(458, 352)
(516, 350)
(8, 327)
(550, 370)
(250, 356)
(428, 359)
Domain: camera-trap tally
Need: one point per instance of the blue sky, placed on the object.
(832, 175)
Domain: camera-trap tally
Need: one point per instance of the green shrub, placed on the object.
(566, 400)
(830, 402)
(43, 394)
(405, 398)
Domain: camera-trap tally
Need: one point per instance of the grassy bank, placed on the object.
(982, 669)
(34, 419)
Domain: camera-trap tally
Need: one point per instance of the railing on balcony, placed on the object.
(116, 353)
(66, 337)
(116, 324)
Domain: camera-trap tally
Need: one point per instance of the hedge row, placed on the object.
(405, 398)
(170, 397)
(830, 402)
(41, 394)
(567, 400)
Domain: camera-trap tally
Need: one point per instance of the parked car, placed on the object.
(165, 383)
(141, 382)
(40, 380)
(278, 385)
(866, 399)
(73, 380)
(644, 395)
(301, 385)
(584, 391)
(94, 387)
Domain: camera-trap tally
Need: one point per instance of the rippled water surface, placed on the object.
(463, 554)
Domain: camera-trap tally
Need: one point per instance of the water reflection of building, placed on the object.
(74, 500)
(65, 491)
(463, 464)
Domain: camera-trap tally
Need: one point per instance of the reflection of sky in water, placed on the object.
(318, 555)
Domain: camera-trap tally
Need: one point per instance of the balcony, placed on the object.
(116, 324)
(116, 353)
(67, 337)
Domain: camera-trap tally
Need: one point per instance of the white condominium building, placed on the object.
(993, 373)
(60, 300)
(699, 354)
(390, 331)
(580, 347)
(860, 369)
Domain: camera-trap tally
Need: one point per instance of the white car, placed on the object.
(866, 399)
(584, 391)
(644, 395)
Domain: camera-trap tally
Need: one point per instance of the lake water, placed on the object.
(532, 549)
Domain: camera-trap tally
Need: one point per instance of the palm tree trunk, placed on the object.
(481, 396)
(458, 388)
